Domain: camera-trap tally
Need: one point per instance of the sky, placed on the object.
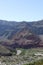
(21, 10)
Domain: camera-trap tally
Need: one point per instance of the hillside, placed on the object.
(25, 39)
(4, 51)
(21, 34)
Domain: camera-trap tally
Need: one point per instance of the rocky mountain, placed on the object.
(21, 34)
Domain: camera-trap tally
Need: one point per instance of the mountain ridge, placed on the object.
(21, 34)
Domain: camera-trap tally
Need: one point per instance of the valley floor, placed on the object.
(25, 56)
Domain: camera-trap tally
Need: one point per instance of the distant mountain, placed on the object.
(21, 34)
(25, 39)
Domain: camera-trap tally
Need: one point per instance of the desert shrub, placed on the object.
(39, 62)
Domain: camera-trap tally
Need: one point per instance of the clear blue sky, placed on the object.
(21, 10)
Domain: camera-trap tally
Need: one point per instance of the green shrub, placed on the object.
(39, 62)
